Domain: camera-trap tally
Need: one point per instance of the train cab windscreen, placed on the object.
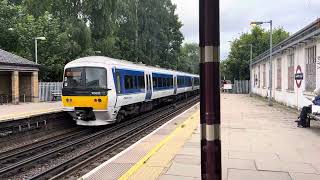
(85, 78)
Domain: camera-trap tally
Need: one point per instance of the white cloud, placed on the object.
(235, 16)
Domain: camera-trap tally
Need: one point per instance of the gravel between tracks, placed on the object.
(77, 150)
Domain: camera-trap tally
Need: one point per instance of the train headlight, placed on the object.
(99, 100)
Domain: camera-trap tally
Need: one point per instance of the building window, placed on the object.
(279, 75)
(291, 72)
(310, 73)
(264, 76)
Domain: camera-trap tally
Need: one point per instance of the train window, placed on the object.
(90, 77)
(165, 82)
(73, 77)
(188, 81)
(196, 81)
(149, 81)
(96, 78)
(118, 82)
(181, 81)
(136, 82)
(160, 82)
(155, 82)
(140, 82)
(128, 82)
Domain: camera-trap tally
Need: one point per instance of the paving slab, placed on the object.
(239, 174)
(259, 142)
(304, 176)
(122, 163)
(173, 177)
(239, 164)
(182, 169)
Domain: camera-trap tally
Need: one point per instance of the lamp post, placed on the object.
(270, 56)
(36, 47)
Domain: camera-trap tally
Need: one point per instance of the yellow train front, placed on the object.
(86, 95)
(100, 90)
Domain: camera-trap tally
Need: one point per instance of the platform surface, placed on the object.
(24, 110)
(258, 143)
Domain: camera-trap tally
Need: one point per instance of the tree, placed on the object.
(8, 17)
(189, 58)
(236, 66)
(135, 30)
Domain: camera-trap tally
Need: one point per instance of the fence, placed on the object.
(241, 87)
(47, 88)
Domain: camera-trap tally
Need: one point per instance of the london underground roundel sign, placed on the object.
(298, 76)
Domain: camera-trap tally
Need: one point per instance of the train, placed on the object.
(99, 90)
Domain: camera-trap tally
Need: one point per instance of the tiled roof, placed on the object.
(9, 58)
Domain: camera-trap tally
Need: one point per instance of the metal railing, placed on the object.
(241, 87)
(48, 90)
(5, 99)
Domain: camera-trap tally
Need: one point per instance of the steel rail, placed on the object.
(18, 165)
(110, 145)
(51, 141)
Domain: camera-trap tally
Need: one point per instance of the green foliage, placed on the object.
(236, 66)
(189, 58)
(145, 31)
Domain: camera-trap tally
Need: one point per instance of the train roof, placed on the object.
(102, 60)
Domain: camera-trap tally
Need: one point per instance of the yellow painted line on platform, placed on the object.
(144, 160)
(28, 114)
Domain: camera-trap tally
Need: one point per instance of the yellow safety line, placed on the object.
(29, 113)
(142, 161)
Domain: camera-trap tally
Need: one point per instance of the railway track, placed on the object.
(22, 159)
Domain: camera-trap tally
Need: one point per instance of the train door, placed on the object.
(175, 84)
(149, 90)
(192, 83)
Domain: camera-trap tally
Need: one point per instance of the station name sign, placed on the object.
(298, 76)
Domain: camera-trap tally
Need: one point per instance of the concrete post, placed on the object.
(15, 87)
(209, 31)
(34, 87)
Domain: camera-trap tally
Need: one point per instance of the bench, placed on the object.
(56, 95)
(314, 115)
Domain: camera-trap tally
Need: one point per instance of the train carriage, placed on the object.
(100, 90)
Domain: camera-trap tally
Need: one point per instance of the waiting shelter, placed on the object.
(18, 79)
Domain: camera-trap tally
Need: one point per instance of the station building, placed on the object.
(296, 55)
(18, 79)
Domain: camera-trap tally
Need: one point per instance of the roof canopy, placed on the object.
(305, 35)
(9, 61)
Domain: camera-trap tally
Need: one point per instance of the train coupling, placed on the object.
(85, 114)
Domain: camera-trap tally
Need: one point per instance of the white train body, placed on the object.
(100, 90)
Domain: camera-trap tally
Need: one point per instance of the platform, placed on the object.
(11, 112)
(258, 143)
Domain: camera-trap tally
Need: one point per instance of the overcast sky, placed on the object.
(235, 16)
